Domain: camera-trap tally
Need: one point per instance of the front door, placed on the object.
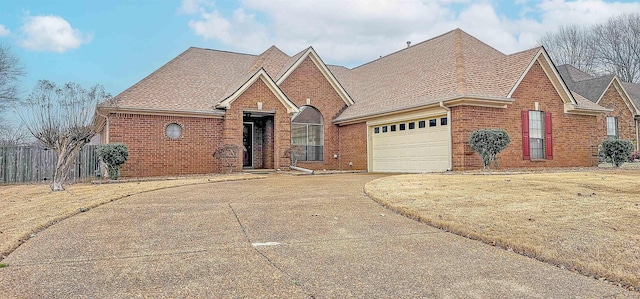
(247, 143)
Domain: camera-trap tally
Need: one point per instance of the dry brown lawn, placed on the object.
(27, 209)
(583, 221)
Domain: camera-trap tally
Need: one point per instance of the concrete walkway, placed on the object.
(283, 237)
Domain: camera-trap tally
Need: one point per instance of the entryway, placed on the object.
(258, 140)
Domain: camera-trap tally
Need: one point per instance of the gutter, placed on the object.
(496, 100)
(450, 134)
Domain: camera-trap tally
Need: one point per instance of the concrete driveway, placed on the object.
(282, 237)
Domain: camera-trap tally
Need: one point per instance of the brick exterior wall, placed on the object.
(575, 137)
(276, 142)
(307, 82)
(153, 153)
(353, 147)
(626, 124)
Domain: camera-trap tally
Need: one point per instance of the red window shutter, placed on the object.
(548, 137)
(525, 135)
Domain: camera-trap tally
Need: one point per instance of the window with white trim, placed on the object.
(536, 134)
(307, 133)
(612, 128)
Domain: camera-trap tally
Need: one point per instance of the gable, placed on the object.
(543, 60)
(266, 79)
(313, 56)
(628, 102)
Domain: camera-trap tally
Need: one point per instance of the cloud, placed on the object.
(357, 31)
(4, 31)
(51, 34)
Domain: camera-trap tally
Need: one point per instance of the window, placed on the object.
(412, 125)
(393, 128)
(307, 133)
(443, 121)
(612, 128)
(536, 135)
(402, 127)
(384, 129)
(432, 122)
(376, 130)
(173, 130)
(422, 124)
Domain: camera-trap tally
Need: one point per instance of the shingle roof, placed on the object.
(592, 87)
(449, 66)
(198, 79)
(633, 90)
(452, 65)
(588, 86)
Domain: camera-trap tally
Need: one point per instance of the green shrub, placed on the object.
(488, 143)
(114, 155)
(617, 151)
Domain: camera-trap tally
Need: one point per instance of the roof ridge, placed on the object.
(222, 51)
(461, 80)
(407, 48)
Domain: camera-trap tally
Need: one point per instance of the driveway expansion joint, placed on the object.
(269, 261)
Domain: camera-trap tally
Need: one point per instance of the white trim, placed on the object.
(311, 53)
(625, 96)
(165, 112)
(475, 101)
(275, 89)
(542, 52)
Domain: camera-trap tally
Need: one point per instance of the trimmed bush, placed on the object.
(114, 155)
(488, 143)
(617, 151)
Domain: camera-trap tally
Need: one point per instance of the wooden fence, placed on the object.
(21, 164)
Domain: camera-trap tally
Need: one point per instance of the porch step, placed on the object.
(258, 171)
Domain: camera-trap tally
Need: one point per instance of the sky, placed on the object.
(117, 43)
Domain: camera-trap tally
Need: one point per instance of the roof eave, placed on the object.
(103, 111)
(494, 102)
(574, 109)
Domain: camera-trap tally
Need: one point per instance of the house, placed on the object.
(623, 98)
(409, 111)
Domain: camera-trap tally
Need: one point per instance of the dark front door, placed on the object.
(247, 142)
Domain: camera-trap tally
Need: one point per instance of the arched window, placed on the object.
(307, 134)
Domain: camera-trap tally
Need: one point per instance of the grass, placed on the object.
(28, 209)
(583, 221)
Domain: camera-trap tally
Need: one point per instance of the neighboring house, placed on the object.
(409, 111)
(623, 98)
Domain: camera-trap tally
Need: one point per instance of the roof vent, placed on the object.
(408, 44)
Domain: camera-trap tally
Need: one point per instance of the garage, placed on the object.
(420, 145)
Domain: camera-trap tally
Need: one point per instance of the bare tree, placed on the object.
(10, 73)
(612, 47)
(618, 46)
(572, 45)
(62, 118)
(11, 135)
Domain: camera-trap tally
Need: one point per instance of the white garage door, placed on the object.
(412, 146)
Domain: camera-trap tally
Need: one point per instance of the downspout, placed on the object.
(637, 134)
(450, 135)
(106, 126)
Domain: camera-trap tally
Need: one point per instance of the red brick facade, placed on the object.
(575, 137)
(626, 123)
(353, 147)
(307, 82)
(153, 153)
